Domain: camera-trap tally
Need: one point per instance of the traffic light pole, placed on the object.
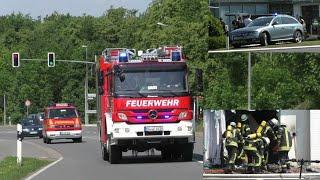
(4, 109)
(86, 118)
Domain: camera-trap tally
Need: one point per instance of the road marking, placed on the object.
(44, 168)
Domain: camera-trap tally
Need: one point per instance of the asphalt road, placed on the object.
(82, 161)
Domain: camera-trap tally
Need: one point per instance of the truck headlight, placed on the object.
(122, 116)
(183, 115)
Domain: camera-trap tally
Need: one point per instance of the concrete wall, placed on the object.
(315, 134)
(298, 121)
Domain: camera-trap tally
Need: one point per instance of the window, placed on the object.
(288, 20)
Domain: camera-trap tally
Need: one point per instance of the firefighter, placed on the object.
(244, 130)
(266, 130)
(253, 147)
(285, 143)
(232, 137)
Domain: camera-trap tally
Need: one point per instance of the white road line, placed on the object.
(44, 168)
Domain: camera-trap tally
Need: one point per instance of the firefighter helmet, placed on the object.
(233, 124)
(244, 117)
(274, 123)
(266, 140)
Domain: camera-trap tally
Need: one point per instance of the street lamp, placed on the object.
(86, 120)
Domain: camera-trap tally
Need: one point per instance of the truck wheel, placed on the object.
(45, 140)
(104, 153)
(115, 154)
(187, 152)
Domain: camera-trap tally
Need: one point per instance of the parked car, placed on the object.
(268, 30)
(31, 127)
(40, 116)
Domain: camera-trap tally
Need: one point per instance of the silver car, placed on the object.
(268, 30)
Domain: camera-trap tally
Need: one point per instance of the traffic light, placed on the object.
(15, 59)
(51, 59)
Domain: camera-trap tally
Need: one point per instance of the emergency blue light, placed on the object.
(166, 116)
(139, 117)
(123, 57)
(175, 56)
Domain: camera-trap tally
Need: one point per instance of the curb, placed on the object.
(50, 151)
(259, 176)
(43, 169)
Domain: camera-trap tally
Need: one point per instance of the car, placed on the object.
(61, 121)
(267, 30)
(31, 127)
(40, 116)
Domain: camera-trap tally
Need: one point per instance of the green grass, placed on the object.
(10, 170)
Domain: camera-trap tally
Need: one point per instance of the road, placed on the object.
(82, 161)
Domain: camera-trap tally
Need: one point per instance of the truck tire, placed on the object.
(45, 140)
(187, 152)
(115, 154)
(104, 153)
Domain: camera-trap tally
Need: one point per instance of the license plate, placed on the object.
(237, 37)
(33, 132)
(64, 133)
(153, 128)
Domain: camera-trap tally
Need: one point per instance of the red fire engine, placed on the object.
(143, 103)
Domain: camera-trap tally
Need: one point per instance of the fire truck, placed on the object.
(144, 103)
(61, 121)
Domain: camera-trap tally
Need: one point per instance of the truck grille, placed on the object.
(153, 133)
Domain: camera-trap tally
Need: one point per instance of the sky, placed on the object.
(41, 8)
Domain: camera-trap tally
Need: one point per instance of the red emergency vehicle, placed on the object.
(143, 103)
(61, 121)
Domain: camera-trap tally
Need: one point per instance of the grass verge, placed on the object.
(10, 170)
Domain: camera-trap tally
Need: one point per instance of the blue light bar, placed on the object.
(167, 116)
(123, 57)
(175, 56)
(139, 117)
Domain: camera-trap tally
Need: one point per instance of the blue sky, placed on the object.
(75, 7)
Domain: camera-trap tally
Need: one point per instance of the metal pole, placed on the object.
(86, 119)
(4, 110)
(249, 80)
(19, 144)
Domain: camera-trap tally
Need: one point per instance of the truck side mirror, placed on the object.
(100, 78)
(199, 80)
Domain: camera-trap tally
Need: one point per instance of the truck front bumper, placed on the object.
(124, 131)
(63, 134)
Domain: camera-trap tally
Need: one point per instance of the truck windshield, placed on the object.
(63, 113)
(152, 82)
